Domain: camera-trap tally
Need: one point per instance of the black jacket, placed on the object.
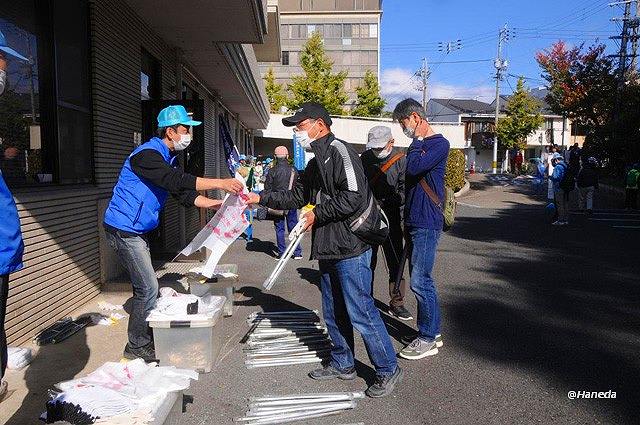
(337, 203)
(278, 177)
(149, 165)
(388, 189)
(588, 176)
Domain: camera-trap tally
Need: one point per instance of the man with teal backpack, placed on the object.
(631, 193)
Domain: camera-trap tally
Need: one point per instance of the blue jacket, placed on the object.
(558, 173)
(11, 245)
(136, 203)
(425, 158)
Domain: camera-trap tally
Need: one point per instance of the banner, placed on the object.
(222, 230)
(230, 150)
(299, 161)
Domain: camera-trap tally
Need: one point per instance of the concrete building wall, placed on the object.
(351, 34)
(66, 256)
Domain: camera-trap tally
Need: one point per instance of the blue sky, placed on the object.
(411, 29)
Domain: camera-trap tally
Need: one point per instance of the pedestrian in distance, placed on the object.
(282, 177)
(11, 244)
(574, 154)
(424, 220)
(384, 167)
(631, 187)
(549, 164)
(563, 184)
(587, 182)
(334, 181)
(148, 176)
(518, 161)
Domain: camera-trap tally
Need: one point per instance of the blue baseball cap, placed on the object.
(9, 50)
(175, 114)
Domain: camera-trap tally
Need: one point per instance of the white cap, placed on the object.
(378, 137)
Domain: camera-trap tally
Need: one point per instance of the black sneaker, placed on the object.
(384, 385)
(329, 372)
(401, 313)
(146, 353)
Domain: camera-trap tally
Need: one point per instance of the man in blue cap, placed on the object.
(148, 176)
(11, 245)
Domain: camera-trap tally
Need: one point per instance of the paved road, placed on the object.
(530, 312)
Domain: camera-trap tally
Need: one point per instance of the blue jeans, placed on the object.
(423, 257)
(249, 231)
(134, 254)
(347, 304)
(291, 217)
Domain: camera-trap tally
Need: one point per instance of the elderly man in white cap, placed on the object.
(282, 176)
(384, 167)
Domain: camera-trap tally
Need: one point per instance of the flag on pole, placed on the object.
(298, 156)
(230, 150)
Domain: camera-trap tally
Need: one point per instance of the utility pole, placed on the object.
(628, 24)
(501, 65)
(635, 24)
(424, 73)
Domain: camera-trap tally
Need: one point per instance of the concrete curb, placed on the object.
(464, 189)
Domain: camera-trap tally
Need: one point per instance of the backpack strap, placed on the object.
(386, 167)
(432, 195)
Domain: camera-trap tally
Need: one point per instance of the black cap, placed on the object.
(311, 110)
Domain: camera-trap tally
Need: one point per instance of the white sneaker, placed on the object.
(557, 223)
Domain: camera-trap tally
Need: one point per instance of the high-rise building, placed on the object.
(350, 30)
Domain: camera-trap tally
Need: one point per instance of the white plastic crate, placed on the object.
(188, 344)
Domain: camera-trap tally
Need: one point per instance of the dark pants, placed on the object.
(134, 254)
(631, 199)
(291, 218)
(4, 294)
(392, 249)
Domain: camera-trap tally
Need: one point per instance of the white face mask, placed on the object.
(303, 137)
(3, 80)
(382, 153)
(410, 132)
(183, 143)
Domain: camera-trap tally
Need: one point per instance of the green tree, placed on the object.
(318, 83)
(523, 118)
(369, 103)
(275, 92)
(583, 85)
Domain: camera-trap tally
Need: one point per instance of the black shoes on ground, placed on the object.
(146, 353)
(400, 312)
(329, 372)
(384, 385)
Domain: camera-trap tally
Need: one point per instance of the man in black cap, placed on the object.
(334, 181)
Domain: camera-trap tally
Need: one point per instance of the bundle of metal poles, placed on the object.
(284, 338)
(297, 407)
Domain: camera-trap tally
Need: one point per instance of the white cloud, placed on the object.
(397, 84)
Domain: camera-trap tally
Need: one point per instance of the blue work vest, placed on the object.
(136, 203)
(11, 245)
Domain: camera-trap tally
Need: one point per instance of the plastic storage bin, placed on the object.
(188, 344)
